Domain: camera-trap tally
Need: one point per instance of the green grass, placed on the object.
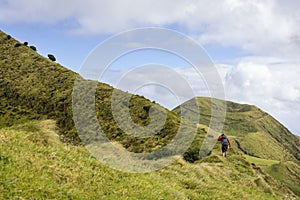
(281, 134)
(239, 117)
(260, 161)
(262, 145)
(33, 87)
(258, 133)
(287, 173)
(35, 165)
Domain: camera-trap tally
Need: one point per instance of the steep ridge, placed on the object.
(35, 88)
(255, 131)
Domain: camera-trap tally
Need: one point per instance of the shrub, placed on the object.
(25, 43)
(191, 155)
(147, 108)
(8, 37)
(33, 48)
(17, 45)
(51, 57)
(194, 154)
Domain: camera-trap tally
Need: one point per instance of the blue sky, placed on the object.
(71, 50)
(254, 44)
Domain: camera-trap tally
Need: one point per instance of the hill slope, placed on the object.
(256, 132)
(35, 88)
(35, 164)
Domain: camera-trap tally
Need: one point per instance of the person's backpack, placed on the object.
(224, 139)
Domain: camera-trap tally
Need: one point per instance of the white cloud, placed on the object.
(249, 76)
(94, 16)
(269, 29)
(167, 86)
(264, 27)
(271, 84)
(35, 11)
(273, 87)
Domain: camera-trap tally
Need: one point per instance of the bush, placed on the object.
(147, 108)
(194, 154)
(191, 155)
(25, 43)
(8, 37)
(17, 45)
(51, 57)
(33, 48)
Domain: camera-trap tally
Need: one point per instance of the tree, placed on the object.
(25, 43)
(33, 48)
(51, 57)
(17, 45)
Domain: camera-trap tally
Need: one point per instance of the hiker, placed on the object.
(225, 143)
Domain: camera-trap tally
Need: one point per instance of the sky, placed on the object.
(254, 44)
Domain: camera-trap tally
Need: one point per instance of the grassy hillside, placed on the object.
(288, 173)
(256, 132)
(33, 87)
(35, 164)
(41, 155)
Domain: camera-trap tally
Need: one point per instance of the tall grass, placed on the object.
(36, 165)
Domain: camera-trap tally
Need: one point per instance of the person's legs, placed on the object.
(224, 149)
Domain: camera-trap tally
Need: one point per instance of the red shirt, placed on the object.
(220, 139)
